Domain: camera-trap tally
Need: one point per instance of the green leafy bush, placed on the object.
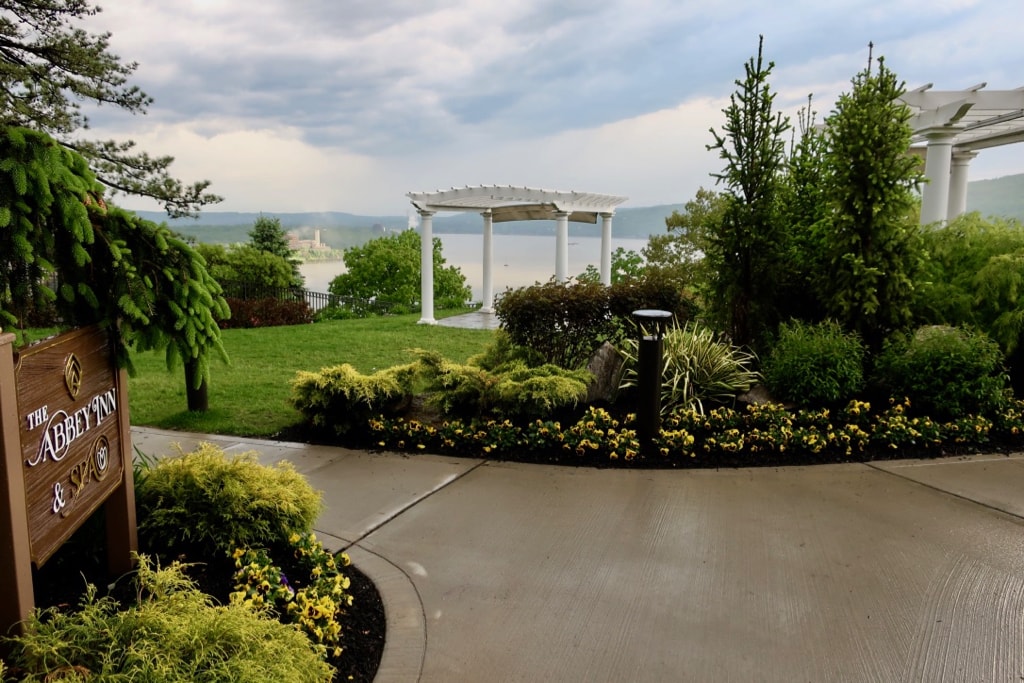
(208, 503)
(947, 372)
(566, 322)
(510, 390)
(172, 634)
(815, 365)
(697, 368)
(267, 312)
(340, 398)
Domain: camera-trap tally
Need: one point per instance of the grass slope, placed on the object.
(249, 397)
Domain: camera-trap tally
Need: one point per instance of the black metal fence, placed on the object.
(317, 300)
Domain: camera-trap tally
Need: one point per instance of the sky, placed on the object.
(347, 105)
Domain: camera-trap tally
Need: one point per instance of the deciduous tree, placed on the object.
(388, 269)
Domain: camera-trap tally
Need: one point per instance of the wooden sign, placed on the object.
(73, 458)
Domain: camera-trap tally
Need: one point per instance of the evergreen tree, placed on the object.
(61, 245)
(745, 250)
(268, 236)
(49, 65)
(872, 241)
(804, 210)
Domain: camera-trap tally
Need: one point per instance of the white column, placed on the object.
(427, 268)
(959, 167)
(487, 305)
(561, 246)
(935, 193)
(606, 249)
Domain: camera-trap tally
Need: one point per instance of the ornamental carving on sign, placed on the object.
(72, 375)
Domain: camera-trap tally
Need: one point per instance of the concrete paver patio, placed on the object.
(490, 571)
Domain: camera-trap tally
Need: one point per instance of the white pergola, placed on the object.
(498, 204)
(950, 128)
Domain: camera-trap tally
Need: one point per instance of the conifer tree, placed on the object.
(743, 250)
(63, 246)
(268, 236)
(872, 241)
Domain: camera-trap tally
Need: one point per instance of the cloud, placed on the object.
(387, 96)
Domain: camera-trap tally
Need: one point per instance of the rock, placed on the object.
(758, 394)
(606, 366)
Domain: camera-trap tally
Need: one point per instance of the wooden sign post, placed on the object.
(66, 450)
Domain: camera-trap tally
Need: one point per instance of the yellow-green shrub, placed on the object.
(173, 634)
(510, 390)
(341, 397)
(217, 503)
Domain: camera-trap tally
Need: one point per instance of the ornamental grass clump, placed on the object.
(205, 503)
(697, 368)
(173, 634)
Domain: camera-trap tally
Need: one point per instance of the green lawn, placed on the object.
(249, 397)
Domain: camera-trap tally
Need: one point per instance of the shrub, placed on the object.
(946, 372)
(510, 390)
(340, 397)
(565, 322)
(207, 502)
(172, 634)
(697, 368)
(267, 313)
(815, 365)
(656, 289)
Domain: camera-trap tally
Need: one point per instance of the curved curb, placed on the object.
(405, 643)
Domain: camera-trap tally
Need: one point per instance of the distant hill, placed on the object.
(341, 230)
(998, 197)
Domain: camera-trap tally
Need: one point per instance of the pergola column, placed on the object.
(606, 249)
(960, 164)
(427, 268)
(561, 246)
(487, 305)
(935, 193)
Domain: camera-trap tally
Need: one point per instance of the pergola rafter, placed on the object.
(501, 203)
(950, 128)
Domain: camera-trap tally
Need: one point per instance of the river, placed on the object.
(519, 260)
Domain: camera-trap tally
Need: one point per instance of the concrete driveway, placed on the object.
(896, 571)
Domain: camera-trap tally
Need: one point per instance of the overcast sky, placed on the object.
(347, 105)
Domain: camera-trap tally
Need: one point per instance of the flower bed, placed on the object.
(762, 434)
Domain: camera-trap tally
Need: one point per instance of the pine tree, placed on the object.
(743, 250)
(49, 65)
(268, 236)
(872, 241)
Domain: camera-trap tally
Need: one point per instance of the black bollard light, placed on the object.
(652, 324)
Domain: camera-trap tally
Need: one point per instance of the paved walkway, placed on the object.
(477, 320)
(490, 571)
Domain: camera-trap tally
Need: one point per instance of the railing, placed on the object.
(317, 300)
